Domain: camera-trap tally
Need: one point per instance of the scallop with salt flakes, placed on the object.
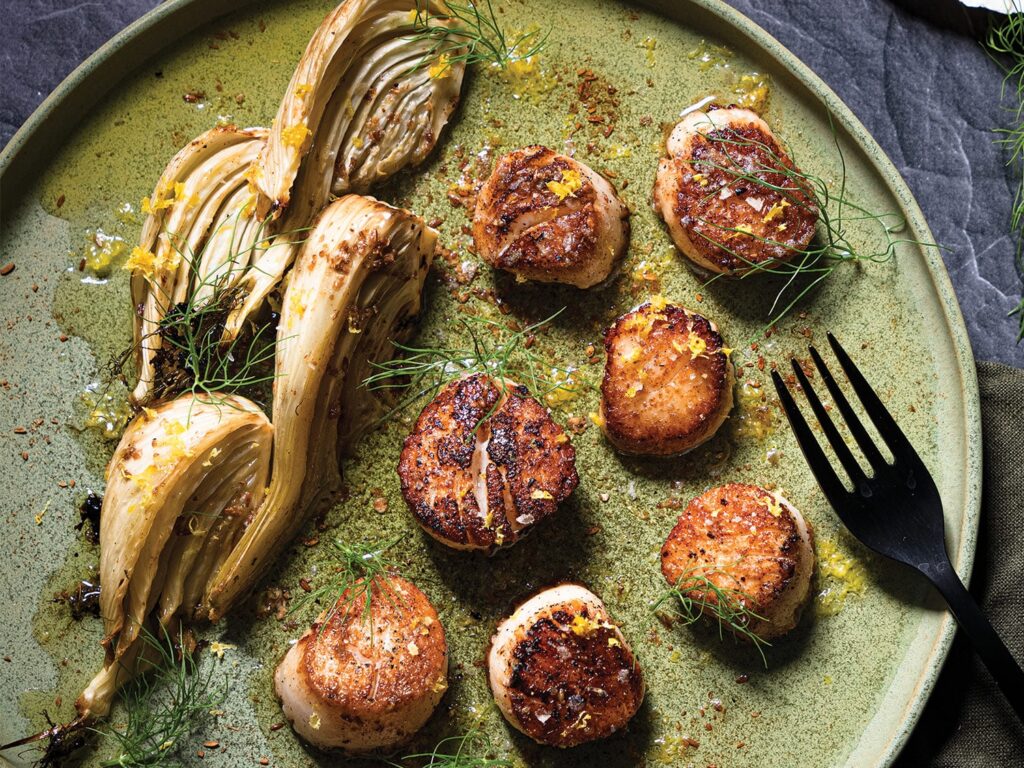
(731, 197)
(746, 545)
(561, 671)
(484, 464)
(365, 679)
(667, 383)
(547, 217)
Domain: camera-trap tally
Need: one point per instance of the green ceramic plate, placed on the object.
(844, 689)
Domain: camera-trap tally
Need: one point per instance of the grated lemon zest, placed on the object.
(569, 185)
(295, 135)
(581, 625)
(775, 211)
(774, 507)
(218, 648)
(696, 344)
(440, 69)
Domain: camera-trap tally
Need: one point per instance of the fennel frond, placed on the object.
(695, 595)
(491, 348)
(1007, 40)
(163, 705)
(469, 750)
(472, 34)
(355, 571)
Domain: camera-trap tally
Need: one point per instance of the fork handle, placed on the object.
(987, 643)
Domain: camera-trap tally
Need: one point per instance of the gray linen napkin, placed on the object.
(967, 723)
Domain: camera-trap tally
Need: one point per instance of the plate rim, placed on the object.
(163, 26)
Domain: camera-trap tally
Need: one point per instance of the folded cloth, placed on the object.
(967, 723)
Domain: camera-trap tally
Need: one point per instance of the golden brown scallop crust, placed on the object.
(667, 383)
(520, 225)
(530, 465)
(572, 680)
(710, 200)
(739, 537)
(338, 659)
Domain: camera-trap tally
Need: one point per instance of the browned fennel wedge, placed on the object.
(363, 103)
(355, 283)
(182, 483)
(200, 234)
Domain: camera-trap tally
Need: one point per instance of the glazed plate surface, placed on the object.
(844, 689)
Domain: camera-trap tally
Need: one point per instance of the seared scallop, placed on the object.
(730, 195)
(484, 464)
(753, 546)
(561, 671)
(364, 680)
(667, 380)
(546, 217)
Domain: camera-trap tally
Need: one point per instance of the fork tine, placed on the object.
(827, 479)
(860, 434)
(846, 458)
(880, 416)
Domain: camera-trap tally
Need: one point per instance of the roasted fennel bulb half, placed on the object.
(181, 487)
(362, 104)
(356, 282)
(200, 236)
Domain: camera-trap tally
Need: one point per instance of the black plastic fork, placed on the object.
(895, 510)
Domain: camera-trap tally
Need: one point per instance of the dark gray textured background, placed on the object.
(931, 97)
